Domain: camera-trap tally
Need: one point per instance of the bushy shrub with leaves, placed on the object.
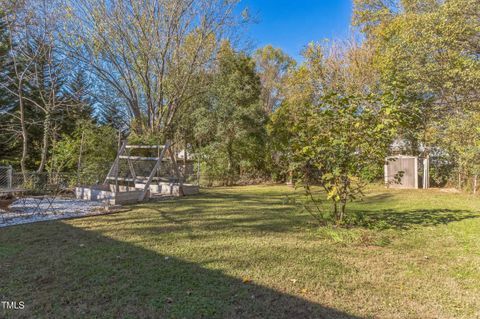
(336, 143)
(88, 153)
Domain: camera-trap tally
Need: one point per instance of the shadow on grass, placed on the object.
(60, 271)
(267, 213)
(418, 217)
(224, 211)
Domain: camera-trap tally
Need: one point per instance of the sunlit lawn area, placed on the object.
(245, 252)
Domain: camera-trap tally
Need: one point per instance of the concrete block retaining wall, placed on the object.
(114, 198)
(130, 195)
(171, 189)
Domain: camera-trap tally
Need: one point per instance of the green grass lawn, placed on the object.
(244, 253)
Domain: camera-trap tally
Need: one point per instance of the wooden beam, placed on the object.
(140, 179)
(145, 178)
(115, 163)
(121, 179)
(139, 158)
(153, 172)
(177, 173)
(131, 168)
(145, 146)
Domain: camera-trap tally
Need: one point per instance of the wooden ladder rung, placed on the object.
(121, 179)
(139, 158)
(145, 146)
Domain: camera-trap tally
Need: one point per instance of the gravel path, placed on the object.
(30, 210)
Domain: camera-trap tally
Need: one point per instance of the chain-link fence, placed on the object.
(6, 177)
(166, 173)
(14, 181)
(33, 182)
(32, 196)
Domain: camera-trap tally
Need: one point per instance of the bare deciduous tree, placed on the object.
(37, 61)
(152, 52)
(16, 22)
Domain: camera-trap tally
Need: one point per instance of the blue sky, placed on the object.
(291, 24)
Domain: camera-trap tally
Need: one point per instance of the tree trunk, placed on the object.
(185, 155)
(335, 212)
(342, 211)
(290, 178)
(24, 133)
(230, 164)
(79, 164)
(46, 141)
(475, 184)
(198, 168)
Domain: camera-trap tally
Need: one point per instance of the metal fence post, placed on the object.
(9, 176)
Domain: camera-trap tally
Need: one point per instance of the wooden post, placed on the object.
(154, 170)
(132, 169)
(119, 142)
(416, 171)
(177, 172)
(426, 172)
(115, 163)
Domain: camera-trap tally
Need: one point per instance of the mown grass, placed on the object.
(244, 252)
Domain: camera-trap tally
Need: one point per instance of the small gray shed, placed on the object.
(401, 171)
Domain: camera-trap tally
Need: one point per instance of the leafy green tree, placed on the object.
(234, 119)
(273, 66)
(79, 102)
(343, 67)
(462, 140)
(87, 153)
(427, 56)
(280, 133)
(337, 135)
(337, 144)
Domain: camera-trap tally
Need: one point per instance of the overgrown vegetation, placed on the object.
(169, 70)
(89, 150)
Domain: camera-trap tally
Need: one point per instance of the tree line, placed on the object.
(77, 76)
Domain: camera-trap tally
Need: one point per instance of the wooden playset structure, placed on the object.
(140, 172)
